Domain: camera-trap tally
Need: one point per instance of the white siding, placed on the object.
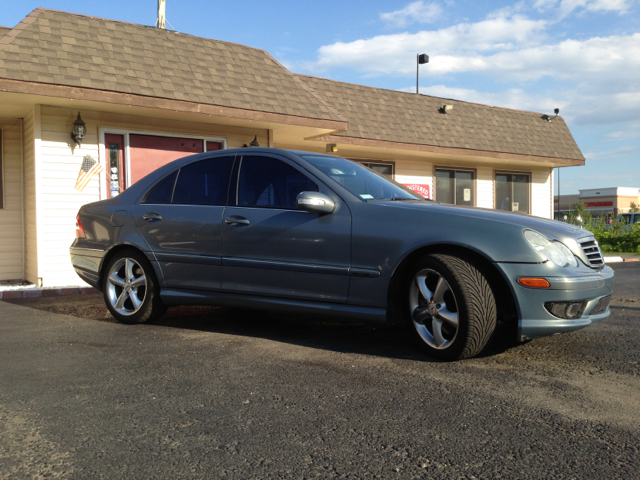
(31, 232)
(415, 171)
(484, 185)
(541, 193)
(59, 163)
(11, 219)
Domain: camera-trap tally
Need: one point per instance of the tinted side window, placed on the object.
(161, 193)
(268, 182)
(204, 183)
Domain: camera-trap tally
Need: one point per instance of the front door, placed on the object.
(181, 219)
(273, 249)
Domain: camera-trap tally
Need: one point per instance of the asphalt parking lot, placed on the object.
(221, 393)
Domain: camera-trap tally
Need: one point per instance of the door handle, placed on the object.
(151, 216)
(236, 220)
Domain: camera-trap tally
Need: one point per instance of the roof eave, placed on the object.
(119, 98)
(364, 142)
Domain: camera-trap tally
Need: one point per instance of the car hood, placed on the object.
(552, 229)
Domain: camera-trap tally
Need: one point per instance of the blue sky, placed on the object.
(582, 56)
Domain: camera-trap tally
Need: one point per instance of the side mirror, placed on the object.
(315, 202)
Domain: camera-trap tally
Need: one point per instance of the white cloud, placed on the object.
(507, 48)
(451, 49)
(419, 12)
(566, 7)
(515, 98)
(621, 152)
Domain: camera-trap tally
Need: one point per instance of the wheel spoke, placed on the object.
(420, 315)
(441, 288)
(139, 282)
(424, 290)
(115, 279)
(121, 299)
(448, 316)
(437, 332)
(129, 269)
(133, 295)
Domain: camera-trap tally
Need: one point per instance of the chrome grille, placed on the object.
(592, 251)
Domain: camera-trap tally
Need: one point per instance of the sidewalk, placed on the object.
(621, 257)
(29, 290)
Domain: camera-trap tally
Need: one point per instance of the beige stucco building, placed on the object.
(144, 104)
(600, 202)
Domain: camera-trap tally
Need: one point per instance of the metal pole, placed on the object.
(417, 73)
(558, 193)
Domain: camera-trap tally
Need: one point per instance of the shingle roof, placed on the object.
(80, 51)
(4, 31)
(389, 115)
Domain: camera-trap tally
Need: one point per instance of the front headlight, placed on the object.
(555, 251)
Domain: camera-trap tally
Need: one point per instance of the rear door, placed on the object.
(273, 249)
(181, 218)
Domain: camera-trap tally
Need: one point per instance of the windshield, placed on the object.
(363, 182)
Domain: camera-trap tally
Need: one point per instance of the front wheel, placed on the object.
(130, 288)
(451, 307)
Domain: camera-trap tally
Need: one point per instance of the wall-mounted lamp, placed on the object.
(332, 148)
(548, 118)
(254, 143)
(79, 130)
(445, 108)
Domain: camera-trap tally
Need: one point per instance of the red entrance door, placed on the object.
(149, 152)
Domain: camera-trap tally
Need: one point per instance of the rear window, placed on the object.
(162, 192)
(201, 183)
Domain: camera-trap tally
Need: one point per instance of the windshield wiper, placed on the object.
(396, 199)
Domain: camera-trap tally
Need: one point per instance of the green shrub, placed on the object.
(616, 238)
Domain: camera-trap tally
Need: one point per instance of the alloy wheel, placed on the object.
(126, 286)
(434, 310)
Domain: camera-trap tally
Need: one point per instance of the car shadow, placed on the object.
(297, 329)
(316, 332)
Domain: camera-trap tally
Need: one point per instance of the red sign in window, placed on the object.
(424, 190)
(598, 204)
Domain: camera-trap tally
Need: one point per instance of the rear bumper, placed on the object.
(86, 262)
(581, 285)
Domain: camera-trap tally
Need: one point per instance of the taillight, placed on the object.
(79, 229)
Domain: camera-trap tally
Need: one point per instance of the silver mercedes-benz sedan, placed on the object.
(305, 232)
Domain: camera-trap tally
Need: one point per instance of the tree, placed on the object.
(633, 207)
(579, 212)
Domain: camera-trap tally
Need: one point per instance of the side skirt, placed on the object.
(172, 297)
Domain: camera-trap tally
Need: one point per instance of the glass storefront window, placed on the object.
(382, 168)
(512, 192)
(455, 186)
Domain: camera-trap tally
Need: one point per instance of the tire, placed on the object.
(131, 289)
(451, 309)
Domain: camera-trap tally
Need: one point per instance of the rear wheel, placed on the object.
(131, 290)
(451, 307)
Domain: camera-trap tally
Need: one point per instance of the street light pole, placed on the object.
(421, 58)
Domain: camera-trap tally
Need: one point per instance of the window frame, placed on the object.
(368, 163)
(1, 170)
(474, 172)
(237, 170)
(104, 186)
(512, 172)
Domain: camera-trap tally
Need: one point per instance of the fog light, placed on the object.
(601, 306)
(568, 310)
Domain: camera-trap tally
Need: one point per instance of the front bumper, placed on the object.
(583, 284)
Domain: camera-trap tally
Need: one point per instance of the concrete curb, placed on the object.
(46, 292)
(620, 259)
